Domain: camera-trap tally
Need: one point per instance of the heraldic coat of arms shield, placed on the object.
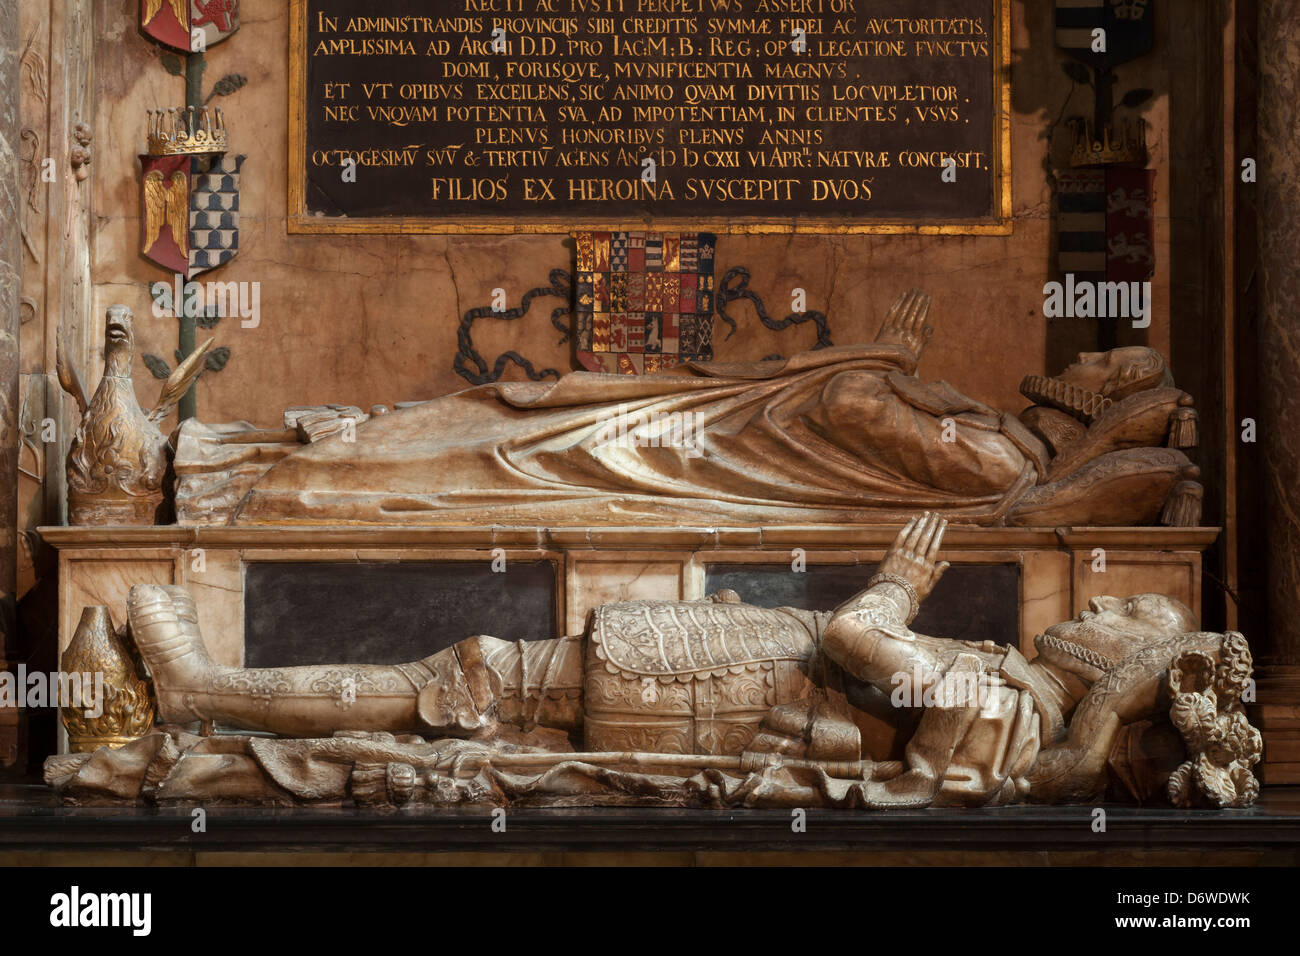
(644, 300)
(190, 26)
(189, 197)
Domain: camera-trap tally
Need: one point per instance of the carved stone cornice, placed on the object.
(837, 537)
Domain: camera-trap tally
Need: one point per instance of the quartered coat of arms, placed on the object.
(189, 193)
(644, 300)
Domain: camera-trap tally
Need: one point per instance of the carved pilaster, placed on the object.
(1279, 366)
(47, 88)
(10, 298)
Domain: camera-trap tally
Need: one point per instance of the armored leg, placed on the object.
(450, 693)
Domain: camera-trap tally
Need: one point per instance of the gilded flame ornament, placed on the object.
(121, 708)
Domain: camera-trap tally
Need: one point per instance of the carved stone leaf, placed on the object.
(157, 366)
(208, 319)
(217, 359)
(227, 84)
(172, 64)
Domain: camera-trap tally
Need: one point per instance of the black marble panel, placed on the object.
(972, 602)
(389, 612)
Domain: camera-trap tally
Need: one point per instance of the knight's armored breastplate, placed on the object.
(692, 676)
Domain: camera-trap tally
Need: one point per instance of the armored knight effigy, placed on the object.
(709, 703)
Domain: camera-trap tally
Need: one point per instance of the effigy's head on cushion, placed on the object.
(1111, 629)
(1097, 382)
(1119, 373)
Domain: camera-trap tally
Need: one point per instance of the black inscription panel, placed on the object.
(971, 602)
(543, 115)
(374, 612)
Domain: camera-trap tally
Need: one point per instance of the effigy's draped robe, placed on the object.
(839, 435)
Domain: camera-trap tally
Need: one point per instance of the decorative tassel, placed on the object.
(1182, 428)
(1183, 505)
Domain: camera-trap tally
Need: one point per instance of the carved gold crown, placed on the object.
(174, 132)
(1120, 145)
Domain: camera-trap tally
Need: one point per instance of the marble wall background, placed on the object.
(373, 319)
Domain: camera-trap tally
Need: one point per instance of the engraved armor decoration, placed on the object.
(690, 677)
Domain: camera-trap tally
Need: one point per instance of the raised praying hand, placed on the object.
(905, 323)
(914, 555)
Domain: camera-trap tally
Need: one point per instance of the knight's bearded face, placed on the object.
(1110, 630)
